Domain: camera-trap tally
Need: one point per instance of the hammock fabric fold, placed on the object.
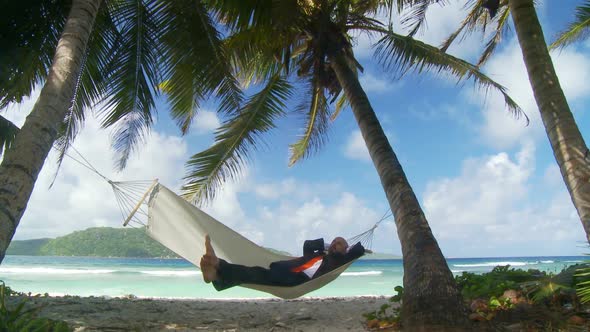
(181, 227)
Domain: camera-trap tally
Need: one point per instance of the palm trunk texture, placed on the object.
(568, 145)
(23, 161)
(431, 299)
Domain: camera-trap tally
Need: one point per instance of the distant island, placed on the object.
(110, 242)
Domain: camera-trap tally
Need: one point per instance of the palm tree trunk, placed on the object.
(24, 160)
(431, 299)
(568, 145)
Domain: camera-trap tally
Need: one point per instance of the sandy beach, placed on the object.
(121, 314)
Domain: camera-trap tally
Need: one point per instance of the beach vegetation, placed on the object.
(20, 315)
(495, 282)
(388, 316)
(530, 299)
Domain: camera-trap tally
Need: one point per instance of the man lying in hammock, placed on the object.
(314, 263)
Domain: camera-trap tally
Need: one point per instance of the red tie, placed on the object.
(307, 265)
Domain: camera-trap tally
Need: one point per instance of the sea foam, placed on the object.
(170, 273)
(362, 274)
(50, 270)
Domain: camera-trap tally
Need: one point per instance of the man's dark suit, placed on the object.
(281, 273)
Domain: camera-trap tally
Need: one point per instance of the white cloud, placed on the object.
(273, 191)
(442, 21)
(363, 45)
(552, 177)
(372, 83)
(490, 208)
(356, 148)
(314, 218)
(17, 112)
(205, 122)
(500, 129)
(79, 198)
(226, 205)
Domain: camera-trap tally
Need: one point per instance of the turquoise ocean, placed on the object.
(176, 278)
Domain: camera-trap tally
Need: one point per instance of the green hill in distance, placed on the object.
(110, 242)
(27, 247)
(96, 242)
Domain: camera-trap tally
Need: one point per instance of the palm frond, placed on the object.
(317, 115)
(129, 132)
(133, 77)
(235, 139)
(30, 31)
(403, 53)
(253, 54)
(415, 18)
(91, 82)
(496, 38)
(469, 24)
(196, 63)
(73, 121)
(8, 131)
(239, 14)
(583, 284)
(577, 30)
(341, 103)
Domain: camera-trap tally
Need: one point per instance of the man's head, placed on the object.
(338, 246)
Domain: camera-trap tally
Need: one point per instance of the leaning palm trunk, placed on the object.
(432, 300)
(568, 145)
(24, 160)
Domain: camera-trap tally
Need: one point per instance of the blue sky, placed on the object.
(489, 185)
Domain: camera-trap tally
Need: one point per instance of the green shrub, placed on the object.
(388, 314)
(21, 318)
(494, 283)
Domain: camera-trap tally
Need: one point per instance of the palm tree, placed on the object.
(24, 159)
(135, 48)
(570, 150)
(576, 30)
(272, 41)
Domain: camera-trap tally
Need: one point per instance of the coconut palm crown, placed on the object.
(296, 41)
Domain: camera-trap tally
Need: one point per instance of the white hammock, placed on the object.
(181, 227)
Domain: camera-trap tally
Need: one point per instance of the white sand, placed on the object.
(102, 314)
